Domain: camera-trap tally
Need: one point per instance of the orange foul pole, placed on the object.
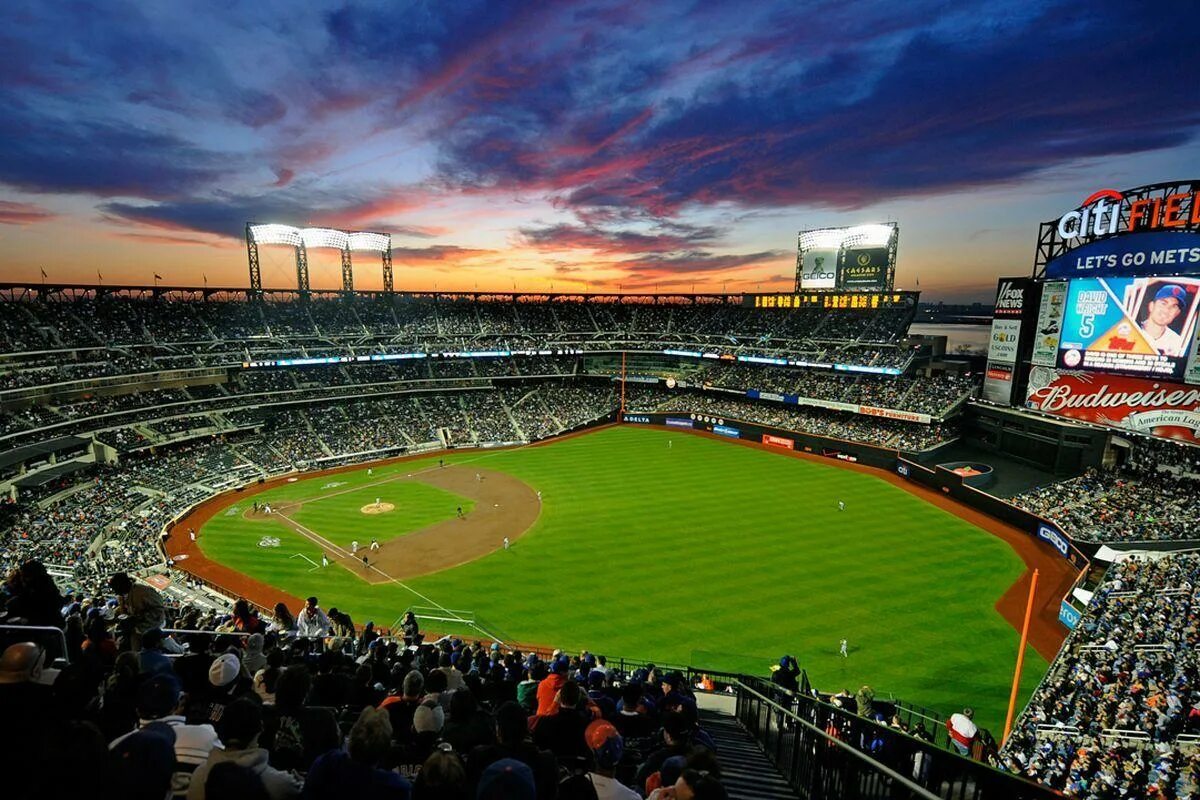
(1012, 698)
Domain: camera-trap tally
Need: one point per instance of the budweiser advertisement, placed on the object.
(1155, 408)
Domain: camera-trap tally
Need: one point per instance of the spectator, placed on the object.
(607, 748)
(963, 730)
(513, 743)
(144, 764)
(442, 777)
(312, 622)
(354, 771)
(240, 727)
(159, 700)
(140, 602)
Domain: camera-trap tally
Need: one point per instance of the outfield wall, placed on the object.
(855, 452)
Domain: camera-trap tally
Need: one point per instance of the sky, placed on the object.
(608, 145)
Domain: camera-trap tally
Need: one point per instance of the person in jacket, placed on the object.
(160, 700)
(240, 728)
(312, 621)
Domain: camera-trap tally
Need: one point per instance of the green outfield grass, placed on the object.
(700, 552)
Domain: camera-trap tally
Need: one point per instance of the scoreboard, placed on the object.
(832, 300)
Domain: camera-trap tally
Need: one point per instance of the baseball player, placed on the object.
(370, 472)
(460, 514)
(505, 542)
(324, 560)
(374, 545)
(192, 534)
(841, 506)
(377, 503)
(354, 548)
(845, 651)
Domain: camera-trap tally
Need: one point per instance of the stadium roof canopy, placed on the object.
(44, 476)
(20, 455)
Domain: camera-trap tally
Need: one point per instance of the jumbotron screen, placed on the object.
(1131, 326)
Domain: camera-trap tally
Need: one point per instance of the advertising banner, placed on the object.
(1005, 342)
(1152, 407)
(1141, 254)
(818, 269)
(1054, 538)
(1049, 324)
(1068, 615)
(998, 383)
(676, 422)
(891, 413)
(1006, 336)
(1132, 326)
(725, 430)
(639, 418)
(778, 441)
(864, 268)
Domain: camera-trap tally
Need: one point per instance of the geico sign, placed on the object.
(1052, 536)
(1100, 214)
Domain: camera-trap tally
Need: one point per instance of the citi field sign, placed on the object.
(1100, 214)
(1152, 230)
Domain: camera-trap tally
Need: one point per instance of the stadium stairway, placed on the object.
(746, 771)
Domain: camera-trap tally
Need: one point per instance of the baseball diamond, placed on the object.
(933, 594)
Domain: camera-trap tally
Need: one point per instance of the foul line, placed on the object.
(313, 536)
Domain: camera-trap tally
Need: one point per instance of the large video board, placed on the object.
(1143, 327)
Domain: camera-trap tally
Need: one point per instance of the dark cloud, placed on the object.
(46, 154)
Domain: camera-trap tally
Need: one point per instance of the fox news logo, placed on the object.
(1010, 300)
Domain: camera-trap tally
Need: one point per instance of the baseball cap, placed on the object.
(1172, 290)
(605, 743)
(144, 762)
(507, 779)
(158, 696)
(224, 669)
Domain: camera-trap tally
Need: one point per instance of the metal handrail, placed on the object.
(832, 741)
(62, 637)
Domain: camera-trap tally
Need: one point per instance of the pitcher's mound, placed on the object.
(377, 508)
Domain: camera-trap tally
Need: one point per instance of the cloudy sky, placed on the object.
(579, 145)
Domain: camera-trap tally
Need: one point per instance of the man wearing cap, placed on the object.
(240, 728)
(607, 747)
(227, 682)
(1169, 302)
(507, 779)
(548, 689)
(159, 700)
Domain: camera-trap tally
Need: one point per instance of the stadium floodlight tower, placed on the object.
(304, 239)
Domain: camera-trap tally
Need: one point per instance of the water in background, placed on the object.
(959, 338)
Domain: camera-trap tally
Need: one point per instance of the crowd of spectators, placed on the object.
(935, 396)
(1155, 496)
(1118, 714)
(908, 436)
(88, 338)
(300, 703)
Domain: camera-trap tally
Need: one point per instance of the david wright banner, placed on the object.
(1157, 408)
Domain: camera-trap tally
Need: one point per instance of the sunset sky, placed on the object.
(576, 145)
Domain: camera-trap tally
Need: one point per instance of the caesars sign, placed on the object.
(1155, 408)
(1099, 241)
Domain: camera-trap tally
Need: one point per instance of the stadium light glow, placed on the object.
(271, 233)
(836, 238)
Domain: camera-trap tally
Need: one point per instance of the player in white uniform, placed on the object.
(841, 506)
(845, 652)
(354, 547)
(505, 542)
(1169, 302)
